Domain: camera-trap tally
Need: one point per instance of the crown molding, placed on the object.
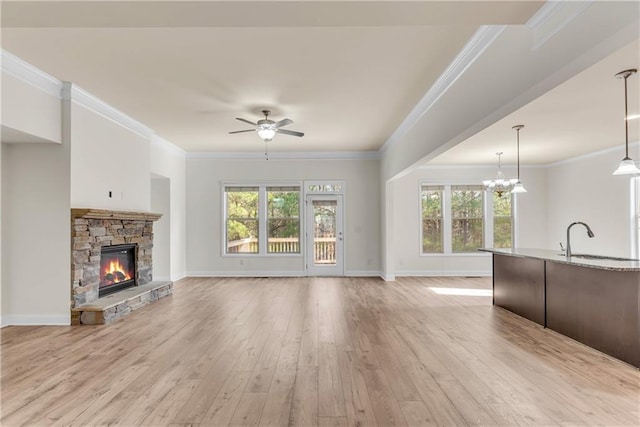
(617, 148)
(167, 146)
(288, 155)
(478, 43)
(22, 70)
(552, 17)
(479, 166)
(74, 93)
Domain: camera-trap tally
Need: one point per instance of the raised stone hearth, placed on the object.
(115, 306)
(93, 229)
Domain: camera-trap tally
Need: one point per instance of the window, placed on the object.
(432, 221)
(467, 219)
(502, 220)
(242, 219)
(262, 219)
(460, 219)
(283, 219)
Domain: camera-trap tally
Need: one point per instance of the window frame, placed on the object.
(262, 218)
(447, 218)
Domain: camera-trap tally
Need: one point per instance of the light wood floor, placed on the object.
(313, 351)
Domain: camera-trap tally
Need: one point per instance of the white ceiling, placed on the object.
(585, 114)
(346, 73)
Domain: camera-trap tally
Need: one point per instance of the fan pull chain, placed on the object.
(266, 150)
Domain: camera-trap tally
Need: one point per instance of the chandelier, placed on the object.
(501, 184)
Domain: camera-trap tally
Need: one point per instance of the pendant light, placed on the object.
(518, 187)
(501, 184)
(627, 166)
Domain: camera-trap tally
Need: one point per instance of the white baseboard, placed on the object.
(353, 273)
(444, 273)
(179, 276)
(24, 320)
(245, 273)
(362, 273)
(388, 277)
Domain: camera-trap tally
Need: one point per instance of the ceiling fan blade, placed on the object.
(283, 122)
(290, 132)
(246, 121)
(240, 131)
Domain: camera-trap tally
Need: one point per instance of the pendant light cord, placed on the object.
(518, 149)
(626, 116)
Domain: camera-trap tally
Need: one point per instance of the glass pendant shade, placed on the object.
(519, 188)
(627, 165)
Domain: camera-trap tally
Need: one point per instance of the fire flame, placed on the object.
(117, 271)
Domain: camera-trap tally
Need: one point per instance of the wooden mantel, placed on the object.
(109, 214)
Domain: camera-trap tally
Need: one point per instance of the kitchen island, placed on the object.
(594, 301)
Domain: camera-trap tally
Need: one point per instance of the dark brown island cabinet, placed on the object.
(592, 299)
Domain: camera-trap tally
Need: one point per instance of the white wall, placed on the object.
(161, 203)
(406, 225)
(169, 162)
(29, 109)
(106, 156)
(584, 190)
(36, 219)
(204, 213)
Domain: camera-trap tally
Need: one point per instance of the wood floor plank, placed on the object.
(330, 394)
(311, 352)
(249, 410)
(356, 394)
(304, 407)
(385, 407)
(417, 414)
(224, 406)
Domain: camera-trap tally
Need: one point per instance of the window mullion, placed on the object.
(262, 220)
(446, 219)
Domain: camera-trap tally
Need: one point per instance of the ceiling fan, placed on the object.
(267, 128)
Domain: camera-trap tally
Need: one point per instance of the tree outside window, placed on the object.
(467, 219)
(242, 219)
(432, 223)
(502, 220)
(283, 219)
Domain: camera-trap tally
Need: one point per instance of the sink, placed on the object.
(599, 257)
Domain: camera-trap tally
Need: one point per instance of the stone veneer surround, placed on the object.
(91, 229)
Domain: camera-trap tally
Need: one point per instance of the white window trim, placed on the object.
(446, 218)
(262, 218)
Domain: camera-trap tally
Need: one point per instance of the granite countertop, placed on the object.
(557, 256)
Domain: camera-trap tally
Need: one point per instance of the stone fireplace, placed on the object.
(111, 264)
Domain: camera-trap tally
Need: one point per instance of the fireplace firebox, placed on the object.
(117, 268)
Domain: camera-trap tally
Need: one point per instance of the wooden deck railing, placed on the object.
(324, 247)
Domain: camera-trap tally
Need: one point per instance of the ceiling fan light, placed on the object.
(519, 188)
(266, 133)
(627, 167)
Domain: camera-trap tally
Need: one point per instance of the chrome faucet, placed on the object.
(589, 233)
